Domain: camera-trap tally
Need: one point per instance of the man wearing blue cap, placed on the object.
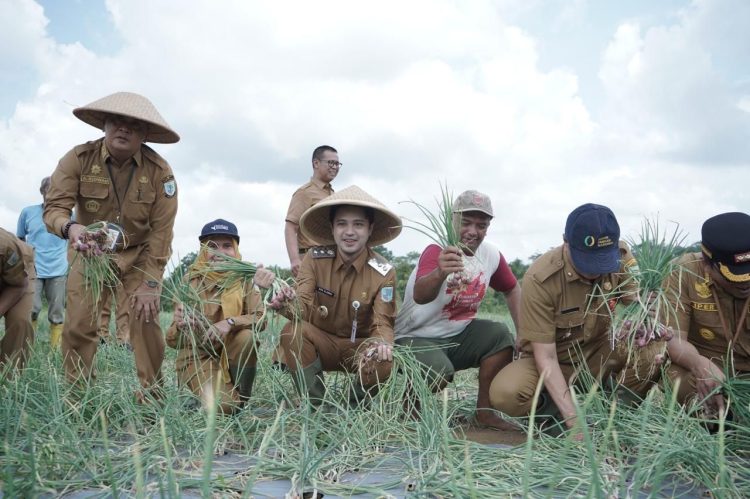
(564, 320)
(710, 302)
(216, 355)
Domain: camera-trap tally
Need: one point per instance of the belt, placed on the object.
(302, 251)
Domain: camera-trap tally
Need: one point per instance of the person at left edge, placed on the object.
(117, 179)
(17, 278)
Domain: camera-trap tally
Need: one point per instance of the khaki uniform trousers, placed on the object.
(80, 339)
(15, 346)
(305, 343)
(202, 373)
(119, 299)
(512, 390)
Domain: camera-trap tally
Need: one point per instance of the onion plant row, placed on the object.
(57, 440)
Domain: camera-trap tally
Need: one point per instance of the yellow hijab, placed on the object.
(232, 297)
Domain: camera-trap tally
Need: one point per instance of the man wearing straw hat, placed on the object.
(710, 295)
(117, 179)
(346, 296)
(17, 285)
(440, 317)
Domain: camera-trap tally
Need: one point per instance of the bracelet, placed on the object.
(66, 229)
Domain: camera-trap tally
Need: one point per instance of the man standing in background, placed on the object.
(326, 165)
(51, 262)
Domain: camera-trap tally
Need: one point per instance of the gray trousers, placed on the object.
(53, 289)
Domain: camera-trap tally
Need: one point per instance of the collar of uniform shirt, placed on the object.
(320, 183)
(105, 155)
(358, 263)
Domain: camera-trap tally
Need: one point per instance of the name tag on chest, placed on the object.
(325, 291)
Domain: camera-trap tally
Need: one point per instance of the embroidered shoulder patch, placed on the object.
(170, 186)
(382, 268)
(323, 252)
(386, 294)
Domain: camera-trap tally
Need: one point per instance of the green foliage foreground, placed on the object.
(55, 441)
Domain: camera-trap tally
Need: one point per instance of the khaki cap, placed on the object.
(132, 106)
(473, 201)
(315, 223)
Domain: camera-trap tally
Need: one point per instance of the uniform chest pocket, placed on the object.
(324, 297)
(141, 194)
(569, 324)
(708, 318)
(93, 190)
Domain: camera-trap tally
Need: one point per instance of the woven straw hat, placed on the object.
(132, 106)
(315, 222)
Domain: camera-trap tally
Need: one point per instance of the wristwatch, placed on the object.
(152, 284)
(230, 321)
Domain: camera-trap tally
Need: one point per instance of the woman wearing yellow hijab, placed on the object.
(216, 349)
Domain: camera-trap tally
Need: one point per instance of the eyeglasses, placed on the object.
(332, 163)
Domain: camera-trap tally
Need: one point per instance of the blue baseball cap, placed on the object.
(593, 235)
(219, 227)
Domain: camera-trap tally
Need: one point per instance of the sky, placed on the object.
(542, 104)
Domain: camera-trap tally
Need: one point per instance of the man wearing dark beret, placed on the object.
(710, 295)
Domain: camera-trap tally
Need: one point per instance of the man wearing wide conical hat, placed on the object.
(346, 295)
(117, 179)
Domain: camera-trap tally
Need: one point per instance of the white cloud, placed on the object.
(410, 93)
(667, 96)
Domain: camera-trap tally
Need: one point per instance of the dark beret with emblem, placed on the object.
(219, 227)
(593, 236)
(725, 240)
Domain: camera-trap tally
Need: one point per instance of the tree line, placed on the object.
(492, 303)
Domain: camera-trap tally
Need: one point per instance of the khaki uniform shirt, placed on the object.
(302, 199)
(147, 208)
(558, 306)
(252, 311)
(327, 290)
(698, 306)
(16, 261)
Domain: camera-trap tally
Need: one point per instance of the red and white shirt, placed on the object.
(453, 309)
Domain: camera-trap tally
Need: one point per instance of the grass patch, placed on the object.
(108, 444)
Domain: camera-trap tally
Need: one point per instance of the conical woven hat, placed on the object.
(130, 105)
(315, 222)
